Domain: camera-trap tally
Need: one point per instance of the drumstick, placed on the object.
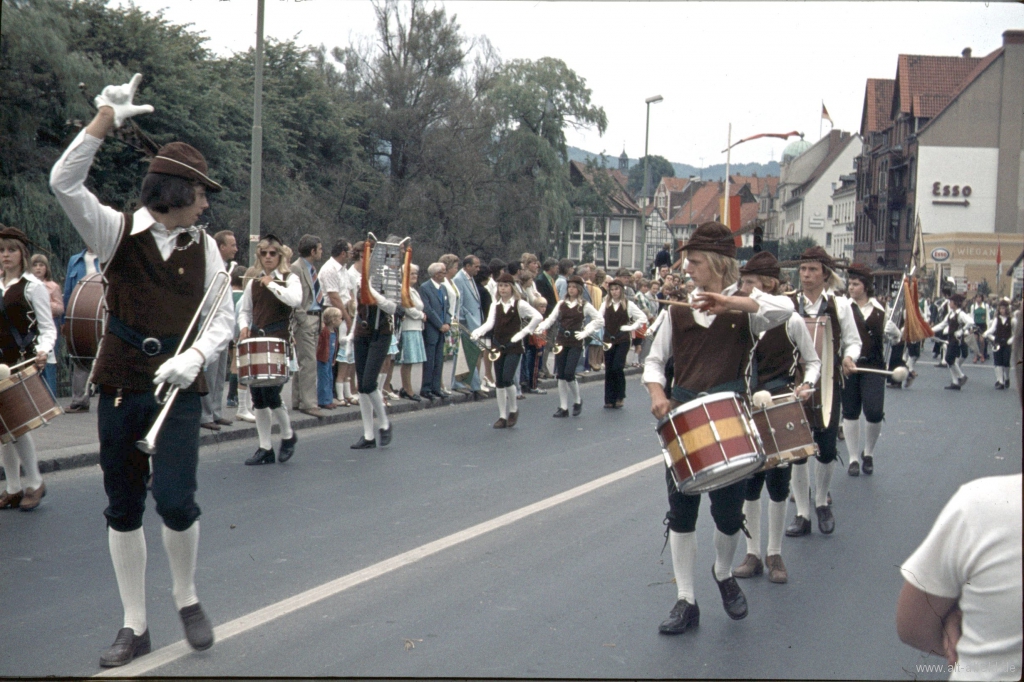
(899, 374)
(666, 301)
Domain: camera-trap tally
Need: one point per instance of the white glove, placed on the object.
(518, 336)
(892, 331)
(119, 98)
(475, 335)
(181, 370)
(582, 334)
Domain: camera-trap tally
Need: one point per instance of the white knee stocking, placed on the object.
(911, 363)
(776, 526)
(801, 486)
(725, 550)
(575, 388)
(378, 406)
(128, 554)
(26, 449)
(563, 394)
(244, 402)
(182, 548)
(263, 425)
(822, 480)
(513, 404)
(999, 374)
(366, 412)
(851, 428)
(684, 557)
(12, 467)
(752, 510)
(283, 421)
(871, 433)
(502, 397)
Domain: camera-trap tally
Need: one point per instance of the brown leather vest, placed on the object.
(507, 325)
(570, 321)
(613, 321)
(1003, 332)
(156, 298)
(872, 339)
(775, 355)
(707, 357)
(18, 308)
(270, 317)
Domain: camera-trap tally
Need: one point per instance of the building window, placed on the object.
(627, 230)
(599, 254)
(627, 255)
(614, 229)
(574, 251)
(828, 239)
(588, 226)
(829, 215)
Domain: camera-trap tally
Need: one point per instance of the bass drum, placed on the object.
(85, 320)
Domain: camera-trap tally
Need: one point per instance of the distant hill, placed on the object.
(683, 170)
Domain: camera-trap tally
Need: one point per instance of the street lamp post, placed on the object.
(647, 170)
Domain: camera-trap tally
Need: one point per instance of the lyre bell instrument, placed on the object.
(386, 270)
(166, 398)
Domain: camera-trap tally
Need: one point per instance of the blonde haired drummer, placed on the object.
(783, 356)
(708, 342)
(27, 333)
(265, 311)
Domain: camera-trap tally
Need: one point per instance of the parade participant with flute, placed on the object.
(160, 270)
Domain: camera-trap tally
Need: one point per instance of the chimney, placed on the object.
(1013, 37)
(966, 54)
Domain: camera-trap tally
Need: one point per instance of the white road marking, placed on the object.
(180, 649)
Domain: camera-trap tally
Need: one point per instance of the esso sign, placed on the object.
(940, 254)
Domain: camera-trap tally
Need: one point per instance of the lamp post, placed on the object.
(256, 170)
(647, 169)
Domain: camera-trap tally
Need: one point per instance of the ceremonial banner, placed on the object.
(465, 362)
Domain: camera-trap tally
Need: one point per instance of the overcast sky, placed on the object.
(763, 66)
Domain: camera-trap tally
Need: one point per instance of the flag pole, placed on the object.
(728, 157)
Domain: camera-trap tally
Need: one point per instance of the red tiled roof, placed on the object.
(918, 75)
(877, 105)
(756, 183)
(674, 184)
(701, 207)
(983, 64)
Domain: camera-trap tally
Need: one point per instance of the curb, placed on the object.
(78, 456)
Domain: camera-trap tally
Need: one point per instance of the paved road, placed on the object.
(576, 589)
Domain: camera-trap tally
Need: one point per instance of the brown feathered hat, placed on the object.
(817, 254)
(713, 237)
(183, 161)
(505, 278)
(859, 270)
(763, 264)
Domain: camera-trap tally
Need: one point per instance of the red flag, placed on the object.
(999, 254)
(824, 113)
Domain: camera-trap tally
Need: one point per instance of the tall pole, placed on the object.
(647, 173)
(256, 173)
(728, 157)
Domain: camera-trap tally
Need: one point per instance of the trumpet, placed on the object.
(557, 348)
(166, 398)
(492, 353)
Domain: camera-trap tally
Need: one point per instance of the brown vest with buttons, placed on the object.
(613, 321)
(507, 325)
(17, 307)
(570, 321)
(269, 312)
(154, 297)
(705, 357)
(775, 356)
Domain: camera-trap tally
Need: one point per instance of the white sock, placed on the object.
(684, 557)
(263, 425)
(12, 468)
(871, 432)
(911, 364)
(851, 429)
(801, 485)
(563, 394)
(999, 374)
(244, 403)
(575, 388)
(182, 548)
(128, 554)
(343, 389)
(513, 404)
(725, 550)
(1006, 376)
(502, 403)
(26, 449)
(752, 510)
(821, 483)
(959, 366)
(776, 526)
(378, 406)
(284, 421)
(366, 411)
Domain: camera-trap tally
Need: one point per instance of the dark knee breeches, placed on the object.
(726, 507)
(777, 480)
(864, 392)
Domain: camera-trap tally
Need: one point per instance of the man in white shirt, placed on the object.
(338, 289)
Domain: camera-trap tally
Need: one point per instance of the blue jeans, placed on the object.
(325, 375)
(50, 376)
(526, 375)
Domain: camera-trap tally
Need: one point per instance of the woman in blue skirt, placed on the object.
(413, 352)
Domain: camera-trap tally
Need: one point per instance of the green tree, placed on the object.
(660, 167)
(790, 249)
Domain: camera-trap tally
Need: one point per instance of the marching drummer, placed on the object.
(512, 320)
(27, 333)
(783, 356)
(570, 314)
(708, 341)
(265, 309)
(159, 270)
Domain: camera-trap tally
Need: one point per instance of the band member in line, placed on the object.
(570, 313)
(865, 391)
(371, 340)
(266, 308)
(999, 331)
(27, 332)
(708, 346)
(158, 268)
(956, 325)
(620, 318)
(817, 299)
(785, 361)
(512, 320)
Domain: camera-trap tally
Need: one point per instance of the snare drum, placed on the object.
(85, 320)
(785, 431)
(25, 404)
(263, 361)
(709, 443)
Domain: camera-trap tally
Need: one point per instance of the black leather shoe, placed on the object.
(953, 387)
(427, 395)
(261, 456)
(560, 413)
(826, 522)
(869, 465)
(800, 526)
(198, 630)
(683, 616)
(733, 599)
(408, 396)
(854, 469)
(363, 444)
(385, 435)
(577, 409)
(127, 645)
(513, 418)
(287, 448)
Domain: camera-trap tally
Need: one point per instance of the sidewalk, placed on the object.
(71, 441)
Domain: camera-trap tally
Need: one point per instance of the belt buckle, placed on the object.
(151, 346)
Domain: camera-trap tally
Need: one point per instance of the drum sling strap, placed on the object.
(685, 395)
(22, 341)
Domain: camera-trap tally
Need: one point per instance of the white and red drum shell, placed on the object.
(263, 361)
